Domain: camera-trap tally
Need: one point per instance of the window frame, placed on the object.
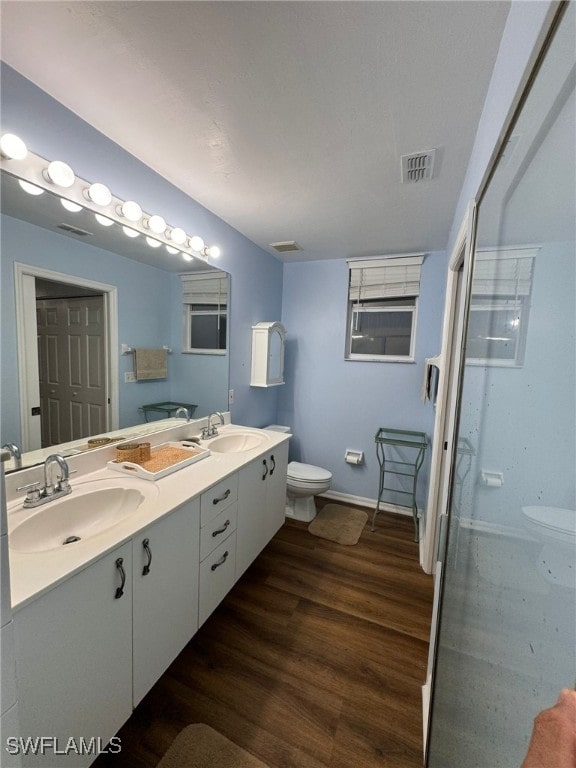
(392, 307)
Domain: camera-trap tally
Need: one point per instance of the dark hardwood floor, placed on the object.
(314, 660)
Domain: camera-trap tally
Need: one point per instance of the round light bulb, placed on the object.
(70, 206)
(196, 243)
(187, 257)
(130, 232)
(213, 251)
(31, 189)
(156, 224)
(59, 173)
(177, 235)
(172, 250)
(12, 147)
(104, 220)
(99, 194)
(130, 210)
(153, 243)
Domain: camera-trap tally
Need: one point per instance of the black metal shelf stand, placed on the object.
(415, 444)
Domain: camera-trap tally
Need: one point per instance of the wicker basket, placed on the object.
(128, 452)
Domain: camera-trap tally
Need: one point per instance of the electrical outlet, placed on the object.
(129, 377)
(230, 396)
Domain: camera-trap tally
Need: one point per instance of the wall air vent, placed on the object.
(286, 246)
(74, 230)
(419, 166)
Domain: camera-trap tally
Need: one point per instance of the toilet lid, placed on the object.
(299, 471)
(552, 517)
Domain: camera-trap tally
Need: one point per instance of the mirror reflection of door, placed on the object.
(71, 324)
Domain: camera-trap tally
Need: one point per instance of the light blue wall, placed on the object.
(331, 403)
(54, 132)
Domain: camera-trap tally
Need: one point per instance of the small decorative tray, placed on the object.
(164, 459)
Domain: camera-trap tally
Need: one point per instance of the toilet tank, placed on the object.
(277, 428)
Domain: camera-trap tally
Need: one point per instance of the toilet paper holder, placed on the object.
(491, 479)
(353, 457)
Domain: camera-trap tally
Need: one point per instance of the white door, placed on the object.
(72, 368)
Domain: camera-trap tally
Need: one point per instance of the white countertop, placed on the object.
(34, 573)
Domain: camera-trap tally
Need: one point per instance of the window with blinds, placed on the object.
(498, 322)
(205, 302)
(382, 307)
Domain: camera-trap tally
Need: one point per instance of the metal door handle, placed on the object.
(265, 468)
(218, 531)
(146, 545)
(120, 567)
(273, 465)
(218, 499)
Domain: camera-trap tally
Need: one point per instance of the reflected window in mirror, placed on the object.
(205, 300)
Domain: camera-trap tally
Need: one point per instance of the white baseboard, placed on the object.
(362, 501)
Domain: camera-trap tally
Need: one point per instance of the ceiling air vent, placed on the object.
(74, 230)
(419, 166)
(286, 246)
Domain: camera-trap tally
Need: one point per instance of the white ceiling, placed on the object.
(286, 119)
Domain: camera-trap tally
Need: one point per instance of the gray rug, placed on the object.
(199, 746)
(340, 524)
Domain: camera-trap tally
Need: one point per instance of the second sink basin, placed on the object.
(91, 508)
(237, 441)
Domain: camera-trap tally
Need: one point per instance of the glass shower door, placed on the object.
(507, 627)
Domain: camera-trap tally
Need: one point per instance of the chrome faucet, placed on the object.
(182, 410)
(16, 454)
(210, 429)
(51, 490)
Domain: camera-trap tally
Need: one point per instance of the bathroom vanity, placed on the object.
(97, 621)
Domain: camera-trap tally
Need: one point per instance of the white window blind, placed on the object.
(384, 278)
(204, 289)
(503, 273)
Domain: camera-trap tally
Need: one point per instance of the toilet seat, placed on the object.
(553, 519)
(307, 473)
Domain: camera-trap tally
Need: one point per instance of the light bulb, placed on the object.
(99, 194)
(130, 210)
(172, 250)
(213, 251)
(59, 173)
(196, 243)
(31, 189)
(187, 257)
(156, 224)
(70, 206)
(12, 147)
(153, 243)
(104, 220)
(130, 232)
(177, 235)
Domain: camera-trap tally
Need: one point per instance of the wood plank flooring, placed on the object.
(314, 660)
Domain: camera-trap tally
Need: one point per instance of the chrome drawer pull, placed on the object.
(220, 562)
(221, 498)
(218, 531)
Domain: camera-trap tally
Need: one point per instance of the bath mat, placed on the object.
(340, 524)
(199, 746)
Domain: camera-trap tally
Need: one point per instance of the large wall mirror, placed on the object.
(60, 263)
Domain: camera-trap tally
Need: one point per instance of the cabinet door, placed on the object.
(166, 558)
(74, 662)
(261, 504)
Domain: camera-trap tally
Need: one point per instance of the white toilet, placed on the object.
(555, 528)
(304, 481)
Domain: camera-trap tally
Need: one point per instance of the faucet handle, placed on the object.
(32, 491)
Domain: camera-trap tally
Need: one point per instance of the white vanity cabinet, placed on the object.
(74, 660)
(165, 596)
(219, 510)
(261, 504)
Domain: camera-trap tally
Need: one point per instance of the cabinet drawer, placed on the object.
(218, 498)
(218, 529)
(217, 575)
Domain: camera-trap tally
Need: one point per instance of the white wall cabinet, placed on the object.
(74, 659)
(165, 601)
(267, 355)
(261, 504)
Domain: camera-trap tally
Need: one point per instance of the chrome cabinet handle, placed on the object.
(273, 465)
(218, 531)
(120, 567)
(146, 546)
(220, 562)
(265, 469)
(218, 499)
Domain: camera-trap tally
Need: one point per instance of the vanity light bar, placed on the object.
(36, 171)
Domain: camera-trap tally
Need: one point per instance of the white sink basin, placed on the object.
(237, 441)
(91, 508)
